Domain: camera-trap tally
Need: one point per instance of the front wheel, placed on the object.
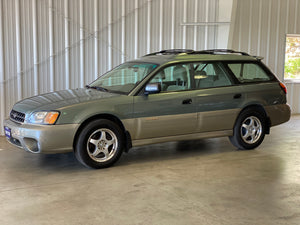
(249, 129)
(100, 144)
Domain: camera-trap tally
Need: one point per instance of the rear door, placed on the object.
(218, 99)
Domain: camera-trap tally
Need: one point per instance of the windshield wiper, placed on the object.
(97, 88)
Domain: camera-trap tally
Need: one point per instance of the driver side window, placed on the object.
(173, 78)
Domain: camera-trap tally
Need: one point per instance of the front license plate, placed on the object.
(7, 132)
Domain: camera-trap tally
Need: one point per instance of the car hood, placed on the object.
(59, 99)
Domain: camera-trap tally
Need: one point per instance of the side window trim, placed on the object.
(242, 70)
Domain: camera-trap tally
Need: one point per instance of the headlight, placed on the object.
(43, 117)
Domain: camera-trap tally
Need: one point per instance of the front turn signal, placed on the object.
(51, 117)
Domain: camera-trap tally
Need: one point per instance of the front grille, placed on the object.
(17, 116)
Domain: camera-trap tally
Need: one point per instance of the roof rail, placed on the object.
(209, 51)
(259, 58)
(171, 52)
(220, 51)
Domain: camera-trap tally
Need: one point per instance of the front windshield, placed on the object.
(123, 78)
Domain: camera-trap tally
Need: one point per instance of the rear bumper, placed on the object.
(42, 138)
(278, 114)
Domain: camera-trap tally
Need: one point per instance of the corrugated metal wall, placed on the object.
(260, 27)
(48, 45)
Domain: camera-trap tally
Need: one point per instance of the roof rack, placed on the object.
(190, 51)
(171, 52)
(220, 51)
(258, 57)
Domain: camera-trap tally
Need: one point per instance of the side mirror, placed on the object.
(152, 88)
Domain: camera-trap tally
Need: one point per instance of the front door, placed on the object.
(168, 113)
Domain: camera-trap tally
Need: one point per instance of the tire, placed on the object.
(249, 129)
(100, 144)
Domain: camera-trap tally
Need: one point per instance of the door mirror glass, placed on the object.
(152, 88)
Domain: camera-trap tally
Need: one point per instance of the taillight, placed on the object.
(283, 87)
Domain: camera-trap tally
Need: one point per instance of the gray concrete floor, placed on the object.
(196, 182)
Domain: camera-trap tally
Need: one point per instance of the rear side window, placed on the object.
(248, 72)
(208, 75)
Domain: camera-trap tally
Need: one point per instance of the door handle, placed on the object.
(187, 101)
(236, 96)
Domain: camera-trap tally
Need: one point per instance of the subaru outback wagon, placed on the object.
(170, 95)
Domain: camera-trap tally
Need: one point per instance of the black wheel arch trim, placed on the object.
(262, 110)
(113, 118)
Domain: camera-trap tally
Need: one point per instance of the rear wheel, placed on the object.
(100, 144)
(249, 129)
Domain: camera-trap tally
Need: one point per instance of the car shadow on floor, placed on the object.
(64, 161)
(176, 150)
(137, 155)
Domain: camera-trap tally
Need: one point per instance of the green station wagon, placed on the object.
(170, 95)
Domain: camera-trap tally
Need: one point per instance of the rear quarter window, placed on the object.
(249, 72)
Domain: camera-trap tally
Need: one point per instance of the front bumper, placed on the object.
(42, 138)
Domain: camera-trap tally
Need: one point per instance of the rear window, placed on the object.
(249, 72)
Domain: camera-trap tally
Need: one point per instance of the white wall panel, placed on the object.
(3, 98)
(49, 45)
(260, 28)
(293, 96)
